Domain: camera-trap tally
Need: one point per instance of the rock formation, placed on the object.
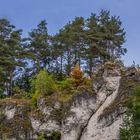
(89, 115)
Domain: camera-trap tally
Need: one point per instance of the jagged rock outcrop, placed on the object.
(89, 115)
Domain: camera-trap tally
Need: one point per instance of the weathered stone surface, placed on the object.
(88, 116)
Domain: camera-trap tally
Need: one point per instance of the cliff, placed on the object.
(88, 115)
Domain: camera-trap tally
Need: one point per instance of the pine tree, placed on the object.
(10, 58)
(114, 35)
(77, 34)
(39, 46)
(92, 38)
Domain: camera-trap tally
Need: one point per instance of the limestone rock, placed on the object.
(89, 115)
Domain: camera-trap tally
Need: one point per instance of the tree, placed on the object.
(10, 54)
(114, 35)
(83, 42)
(39, 46)
(43, 84)
(92, 38)
(77, 77)
(77, 34)
(57, 54)
(69, 42)
(130, 129)
(104, 37)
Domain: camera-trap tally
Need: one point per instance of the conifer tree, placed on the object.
(39, 46)
(10, 54)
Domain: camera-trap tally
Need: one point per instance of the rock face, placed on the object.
(88, 116)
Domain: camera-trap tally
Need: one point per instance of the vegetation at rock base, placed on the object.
(130, 129)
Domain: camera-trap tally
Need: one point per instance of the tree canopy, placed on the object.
(82, 42)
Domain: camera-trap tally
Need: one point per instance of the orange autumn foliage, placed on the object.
(77, 75)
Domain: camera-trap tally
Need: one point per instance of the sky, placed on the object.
(26, 14)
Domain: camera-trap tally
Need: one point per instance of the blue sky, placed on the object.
(26, 14)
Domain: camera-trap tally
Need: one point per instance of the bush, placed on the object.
(41, 136)
(73, 83)
(77, 75)
(130, 129)
(2, 96)
(65, 84)
(43, 84)
(34, 100)
(56, 135)
(21, 93)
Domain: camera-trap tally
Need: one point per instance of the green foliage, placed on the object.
(10, 57)
(75, 80)
(2, 96)
(41, 136)
(71, 85)
(130, 129)
(65, 96)
(21, 93)
(67, 90)
(34, 100)
(56, 135)
(85, 42)
(43, 84)
(39, 43)
(64, 84)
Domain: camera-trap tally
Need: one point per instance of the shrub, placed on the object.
(43, 84)
(56, 135)
(2, 96)
(130, 129)
(20, 93)
(77, 75)
(65, 84)
(77, 78)
(34, 100)
(41, 136)
(73, 83)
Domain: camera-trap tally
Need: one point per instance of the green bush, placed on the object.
(41, 136)
(34, 100)
(43, 84)
(65, 84)
(21, 93)
(130, 129)
(56, 135)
